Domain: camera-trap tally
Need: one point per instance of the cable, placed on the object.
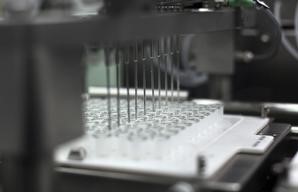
(188, 76)
(186, 46)
(262, 6)
(285, 41)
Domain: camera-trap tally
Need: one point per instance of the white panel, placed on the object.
(216, 141)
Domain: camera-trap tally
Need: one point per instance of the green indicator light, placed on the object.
(241, 3)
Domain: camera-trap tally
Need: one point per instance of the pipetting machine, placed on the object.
(145, 128)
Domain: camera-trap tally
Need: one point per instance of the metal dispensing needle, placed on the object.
(136, 57)
(118, 83)
(107, 64)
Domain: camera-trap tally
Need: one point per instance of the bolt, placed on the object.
(245, 56)
(265, 38)
(265, 111)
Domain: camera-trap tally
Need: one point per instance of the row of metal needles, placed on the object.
(162, 55)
